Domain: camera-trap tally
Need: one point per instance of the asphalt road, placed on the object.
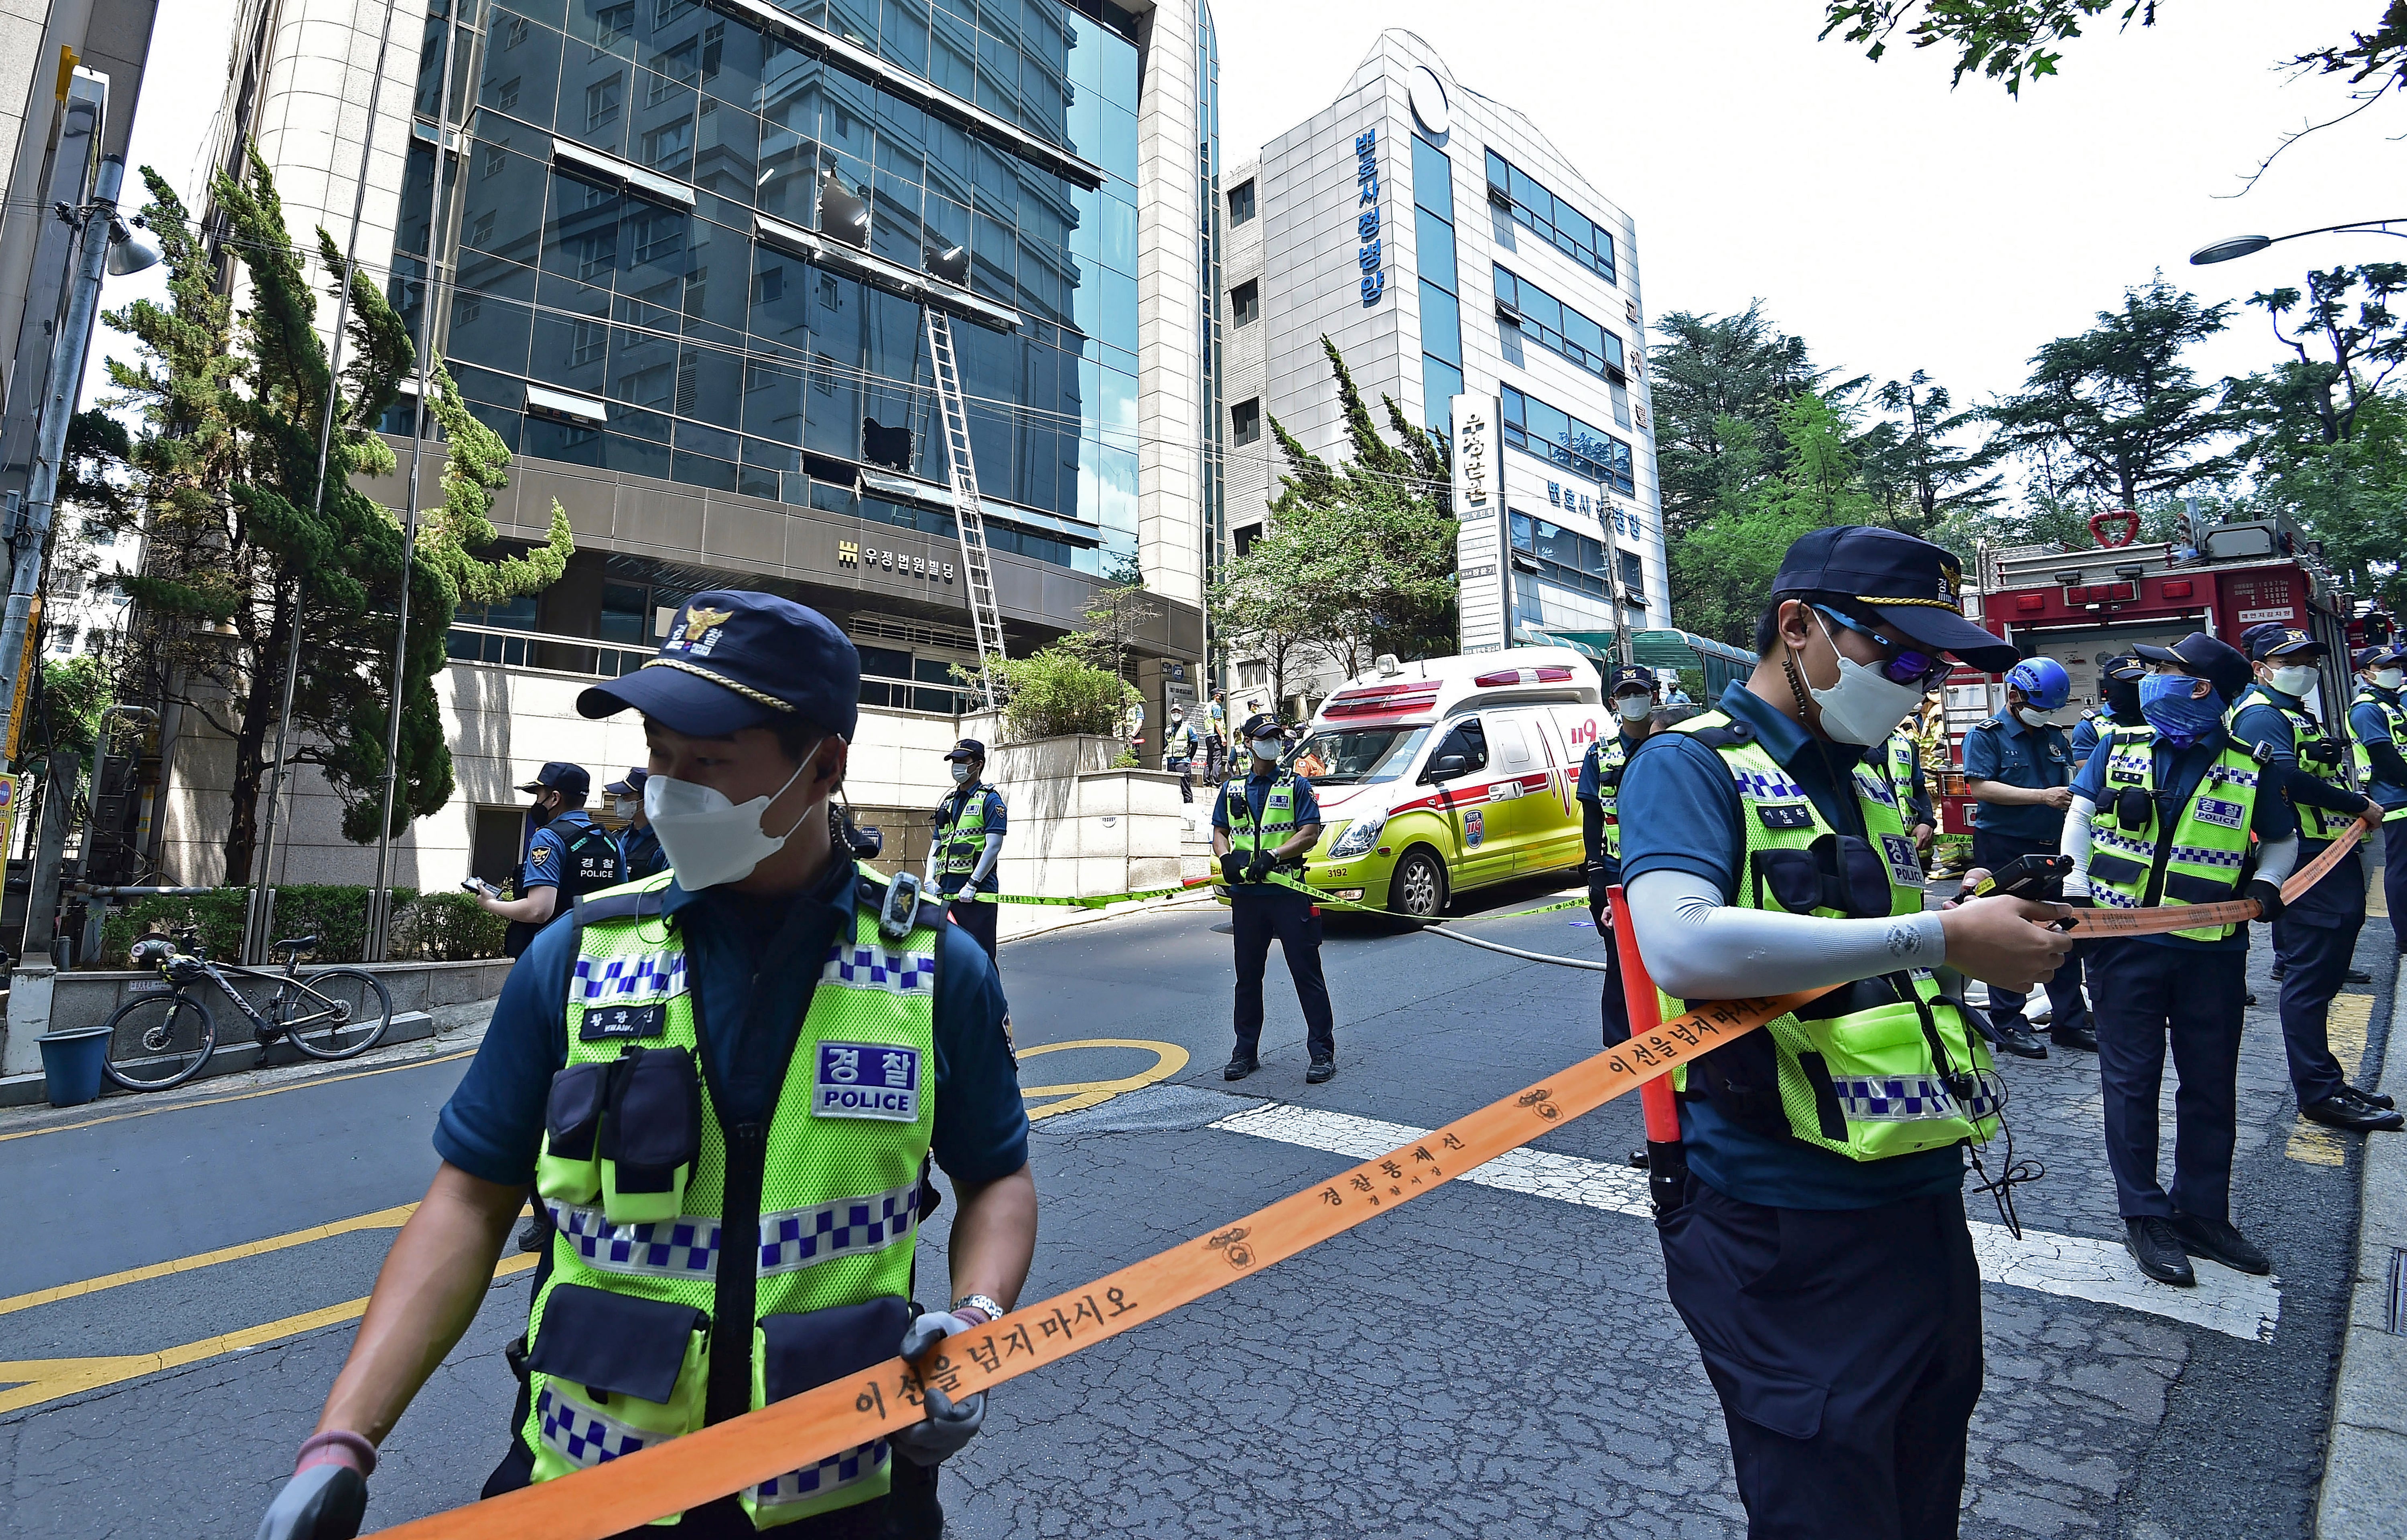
(1494, 1359)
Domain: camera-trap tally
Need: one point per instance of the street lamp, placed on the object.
(2248, 245)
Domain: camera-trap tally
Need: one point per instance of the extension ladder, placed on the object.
(986, 620)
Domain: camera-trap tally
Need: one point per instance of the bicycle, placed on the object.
(156, 1042)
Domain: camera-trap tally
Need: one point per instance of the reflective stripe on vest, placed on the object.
(1900, 753)
(964, 840)
(2393, 715)
(2317, 823)
(2197, 860)
(839, 1203)
(1278, 815)
(1867, 1084)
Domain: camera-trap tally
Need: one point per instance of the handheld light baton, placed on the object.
(1667, 1163)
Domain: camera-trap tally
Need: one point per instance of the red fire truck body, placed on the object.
(2078, 606)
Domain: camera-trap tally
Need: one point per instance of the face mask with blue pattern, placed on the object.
(2165, 701)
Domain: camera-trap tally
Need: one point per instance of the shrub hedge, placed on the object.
(426, 926)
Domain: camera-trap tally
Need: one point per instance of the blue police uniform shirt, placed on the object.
(1258, 788)
(640, 853)
(2177, 774)
(751, 1003)
(2366, 720)
(1680, 811)
(547, 855)
(950, 809)
(1591, 789)
(2003, 749)
(2341, 895)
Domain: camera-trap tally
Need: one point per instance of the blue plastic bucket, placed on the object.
(71, 1061)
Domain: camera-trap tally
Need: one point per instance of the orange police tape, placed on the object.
(684, 1472)
(743, 1451)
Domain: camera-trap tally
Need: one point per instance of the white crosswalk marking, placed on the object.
(2077, 1267)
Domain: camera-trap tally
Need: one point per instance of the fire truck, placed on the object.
(2079, 606)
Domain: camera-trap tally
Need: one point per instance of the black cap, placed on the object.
(2372, 658)
(2121, 665)
(968, 748)
(1629, 673)
(1911, 584)
(558, 775)
(631, 784)
(2276, 641)
(734, 659)
(2219, 663)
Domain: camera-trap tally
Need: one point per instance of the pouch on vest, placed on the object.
(2199, 890)
(641, 1363)
(1741, 1080)
(1838, 871)
(651, 1134)
(796, 1352)
(2134, 809)
(1871, 1084)
(1611, 779)
(569, 1170)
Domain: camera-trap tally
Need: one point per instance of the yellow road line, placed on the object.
(245, 1095)
(2352, 1017)
(1169, 1059)
(40, 1379)
(383, 1219)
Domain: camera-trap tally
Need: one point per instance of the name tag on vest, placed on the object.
(1904, 870)
(1784, 814)
(867, 1080)
(605, 1022)
(2213, 810)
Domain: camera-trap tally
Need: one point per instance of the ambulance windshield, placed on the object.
(1357, 755)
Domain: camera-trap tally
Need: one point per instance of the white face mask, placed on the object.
(1864, 706)
(625, 807)
(2294, 681)
(960, 773)
(2032, 717)
(2387, 679)
(1269, 748)
(1632, 708)
(709, 840)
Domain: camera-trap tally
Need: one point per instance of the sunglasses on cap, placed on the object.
(1906, 663)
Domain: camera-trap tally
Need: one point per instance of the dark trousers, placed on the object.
(1186, 770)
(2314, 940)
(1993, 851)
(1287, 917)
(910, 1512)
(1616, 1003)
(1846, 1345)
(978, 920)
(2394, 878)
(2146, 994)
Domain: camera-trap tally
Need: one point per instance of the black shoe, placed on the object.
(2279, 969)
(1321, 1069)
(2371, 1098)
(2216, 1241)
(2021, 1041)
(2340, 1111)
(1239, 1066)
(2252, 996)
(2357, 976)
(2082, 1037)
(2154, 1246)
(536, 1233)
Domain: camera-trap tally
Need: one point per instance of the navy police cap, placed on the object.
(630, 784)
(2272, 640)
(559, 775)
(1631, 673)
(2204, 657)
(1911, 584)
(2373, 658)
(734, 660)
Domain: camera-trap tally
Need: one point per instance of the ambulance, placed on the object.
(1438, 776)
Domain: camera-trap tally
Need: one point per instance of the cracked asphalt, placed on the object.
(1481, 1363)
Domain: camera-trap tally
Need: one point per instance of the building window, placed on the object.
(602, 104)
(1565, 558)
(1634, 577)
(1245, 303)
(1568, 230)
(65, 642)
(1551, 434)
(1245, 421)
(516, 33)
(480, 230)
(589, 342)
(1441, 314)
(1560, 328)
(1243, 537)
(1241, 202)
(505, 97)
(94, 639)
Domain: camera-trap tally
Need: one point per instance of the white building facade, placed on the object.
(1448, 249)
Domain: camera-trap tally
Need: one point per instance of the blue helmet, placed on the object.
(2042, 680)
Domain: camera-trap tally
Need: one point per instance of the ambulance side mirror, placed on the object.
(1446, 766)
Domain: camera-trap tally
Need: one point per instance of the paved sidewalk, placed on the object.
(2365, 1462)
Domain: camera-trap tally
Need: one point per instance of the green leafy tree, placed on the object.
(1927, 480)
(247, 557)
(1718, 384)
(1117, 613)
(2114, 412)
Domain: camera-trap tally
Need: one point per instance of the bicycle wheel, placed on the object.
(159, 1040)
(337, 1014)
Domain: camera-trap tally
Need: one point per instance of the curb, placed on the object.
(2365, 1454)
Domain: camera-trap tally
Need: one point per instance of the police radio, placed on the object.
(2037, 878)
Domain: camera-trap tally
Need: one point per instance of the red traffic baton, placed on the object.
(1667, 1163)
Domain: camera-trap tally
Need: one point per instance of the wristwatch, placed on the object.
(981, 1303)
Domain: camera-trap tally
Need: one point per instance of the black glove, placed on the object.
(1258, 868)
(1599, 880)
(1232, 867)
(2319, 751)
(950, 1423)
(322, 1503)
(2269, 900)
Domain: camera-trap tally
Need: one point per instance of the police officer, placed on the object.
(639, 848)
(568, 856)
(1631, 691)
(967, 842)
(2316, 934)
(1178, 749)
(2119, 691)
(2165, 821)
(2019, 768)
(777, 1077)
(2377, 729)
(1261, 825)
(1901, 759)
(1822, 1258)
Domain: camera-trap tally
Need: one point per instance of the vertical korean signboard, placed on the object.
(1483, 559)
